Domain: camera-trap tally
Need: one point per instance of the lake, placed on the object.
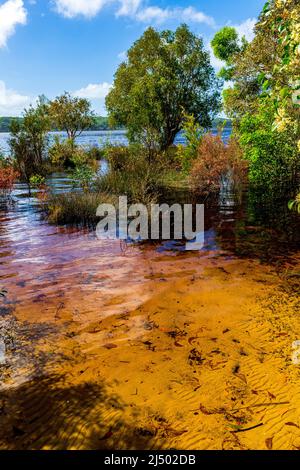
(100, 138)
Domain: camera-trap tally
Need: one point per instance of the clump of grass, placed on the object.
(75, 207)
(131, 173)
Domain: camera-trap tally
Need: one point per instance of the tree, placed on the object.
(166, 75)
(29, 141)
(265, 75)
(71, 114)
(225, 43)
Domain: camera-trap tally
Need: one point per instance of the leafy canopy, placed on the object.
(28, 140)
(225, 43)
(71, 114)
(264, 99)
(166, 74)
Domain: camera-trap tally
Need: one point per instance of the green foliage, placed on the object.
(272, 155)
(83, 176)
(164, 73)
(118, 156)
(132, 174)
(294, 205)
(3, 160)
(28, 141)
(193, 134)
(61, 152)
(36, 181)
(225, 43)
(100, 123)
(265, 75)
(66, 154)
(71, 114)
(94, 153)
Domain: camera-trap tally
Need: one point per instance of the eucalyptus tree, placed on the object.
(166, 75)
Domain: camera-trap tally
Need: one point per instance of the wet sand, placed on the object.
(129, 348)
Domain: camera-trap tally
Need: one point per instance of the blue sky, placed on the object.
(49, 46)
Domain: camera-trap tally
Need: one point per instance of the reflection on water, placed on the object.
(110, 345)
(34, 253)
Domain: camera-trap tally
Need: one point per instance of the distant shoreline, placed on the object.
(100, 125)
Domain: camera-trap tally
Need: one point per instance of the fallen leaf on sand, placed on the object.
(269, 443)
(292, 424)
(110, 346)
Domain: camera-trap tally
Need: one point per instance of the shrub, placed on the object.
(273, 156)
(294, 205)
(193, 134)
(29, 141)
(118, 156)
(215, 162)
(66, 154)
(130, 173)
(75, 207)
(37, 181)
(95, 153)
(84, 177)
(8, 177)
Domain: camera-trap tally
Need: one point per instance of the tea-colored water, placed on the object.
(116, 346)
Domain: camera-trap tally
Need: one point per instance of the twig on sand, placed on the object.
(248, 429)
(262, 404)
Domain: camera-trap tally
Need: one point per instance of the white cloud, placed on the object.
(193, 15)
(72, 8)
(246, 29)
(150, 14)
(11, 102)
(160, 15)
(12, 13)
(134, 9)
(96, 93)
(93, 91)
(128, 7)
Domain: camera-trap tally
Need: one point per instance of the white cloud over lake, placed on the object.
(12, 103)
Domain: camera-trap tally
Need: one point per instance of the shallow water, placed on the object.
(112, 345)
